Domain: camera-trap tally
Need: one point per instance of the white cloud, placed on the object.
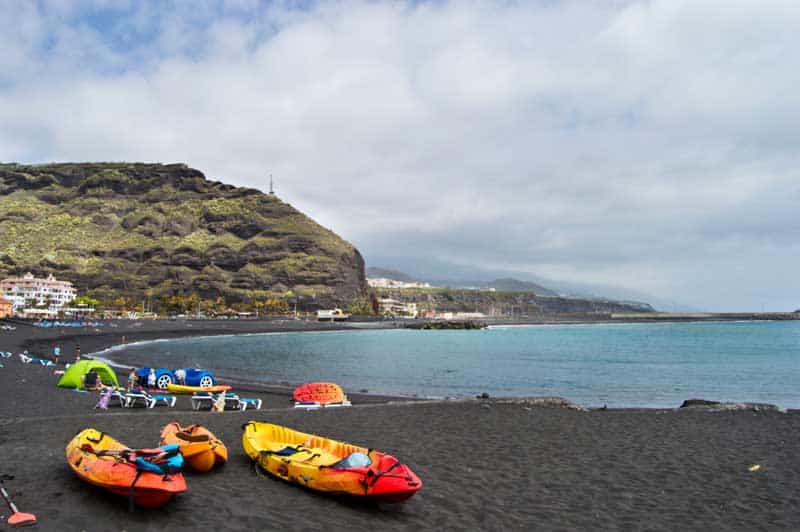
(644, 143)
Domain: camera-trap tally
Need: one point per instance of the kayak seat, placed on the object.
(288, 451)
(187, 436)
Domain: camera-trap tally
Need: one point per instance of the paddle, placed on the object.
(17, 518)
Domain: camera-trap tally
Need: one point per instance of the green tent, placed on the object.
(73, 377)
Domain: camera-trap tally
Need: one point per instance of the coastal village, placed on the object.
(31, 297)
(47, 298)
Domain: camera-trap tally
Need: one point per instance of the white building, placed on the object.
(332, 315)
(393, 307)
(381, 282)
(21, 290)
(461, 315)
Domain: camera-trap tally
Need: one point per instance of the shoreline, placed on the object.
(496, 464)
(115, 335)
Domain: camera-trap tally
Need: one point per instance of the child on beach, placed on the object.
(219, 403)
(132, 379)
(56, 353)
(105, 397)
(151, 378)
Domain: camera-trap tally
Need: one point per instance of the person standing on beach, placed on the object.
(56, 353)
(132, 379)
(77, 352)
(151, 378)
(219, 403)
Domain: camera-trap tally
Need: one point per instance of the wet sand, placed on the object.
(485, 464)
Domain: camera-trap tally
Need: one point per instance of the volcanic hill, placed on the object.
(150, 230)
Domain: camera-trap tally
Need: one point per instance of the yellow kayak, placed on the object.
(327, 465)
(183, 389)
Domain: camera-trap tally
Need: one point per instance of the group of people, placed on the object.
(133, 378)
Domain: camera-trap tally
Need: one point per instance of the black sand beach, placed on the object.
(485, 464)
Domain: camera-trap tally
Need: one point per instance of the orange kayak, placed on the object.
(199, 447)
(319, 392)
(99, 459)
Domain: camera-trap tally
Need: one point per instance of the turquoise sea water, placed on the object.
(621, 365)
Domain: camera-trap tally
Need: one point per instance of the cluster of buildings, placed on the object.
(381, 282)
(402, 309)
(34, 297)
(31, 296)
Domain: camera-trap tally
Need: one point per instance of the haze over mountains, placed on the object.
(440, 273)
(506, 284)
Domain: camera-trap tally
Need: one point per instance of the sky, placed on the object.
(649, 144)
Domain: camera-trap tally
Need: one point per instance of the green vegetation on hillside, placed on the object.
(154, 231)
(507, 304)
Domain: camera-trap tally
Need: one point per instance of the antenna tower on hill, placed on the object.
(271, 188)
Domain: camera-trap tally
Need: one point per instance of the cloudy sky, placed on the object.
(652, 145)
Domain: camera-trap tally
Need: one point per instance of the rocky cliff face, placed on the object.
(142, 230)
(509, 304)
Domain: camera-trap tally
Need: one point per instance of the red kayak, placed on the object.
(319, 392)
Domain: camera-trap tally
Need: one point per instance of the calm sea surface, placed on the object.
(621, 365)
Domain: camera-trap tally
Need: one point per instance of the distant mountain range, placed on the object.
(503, 285)
(386, 273)
(509, 284)
(440, 273)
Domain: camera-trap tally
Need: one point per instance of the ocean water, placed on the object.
(619, 365)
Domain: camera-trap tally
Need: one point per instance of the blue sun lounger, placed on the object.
(148, 400)
(245, 403)
(34, 360)
(203, 400)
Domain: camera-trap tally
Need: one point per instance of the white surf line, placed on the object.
(103, 353)
(596, 324)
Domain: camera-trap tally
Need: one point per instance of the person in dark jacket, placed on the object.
(91, 381)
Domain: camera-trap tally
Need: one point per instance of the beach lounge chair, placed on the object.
(115, 394)
(245, 403)
(166, 400)
(5, 354)
(148, 400)
(33, 360)
(203, 400)
(313, 405)
(134, 397)
(119, 395)
(308, 405)
(338, 404)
